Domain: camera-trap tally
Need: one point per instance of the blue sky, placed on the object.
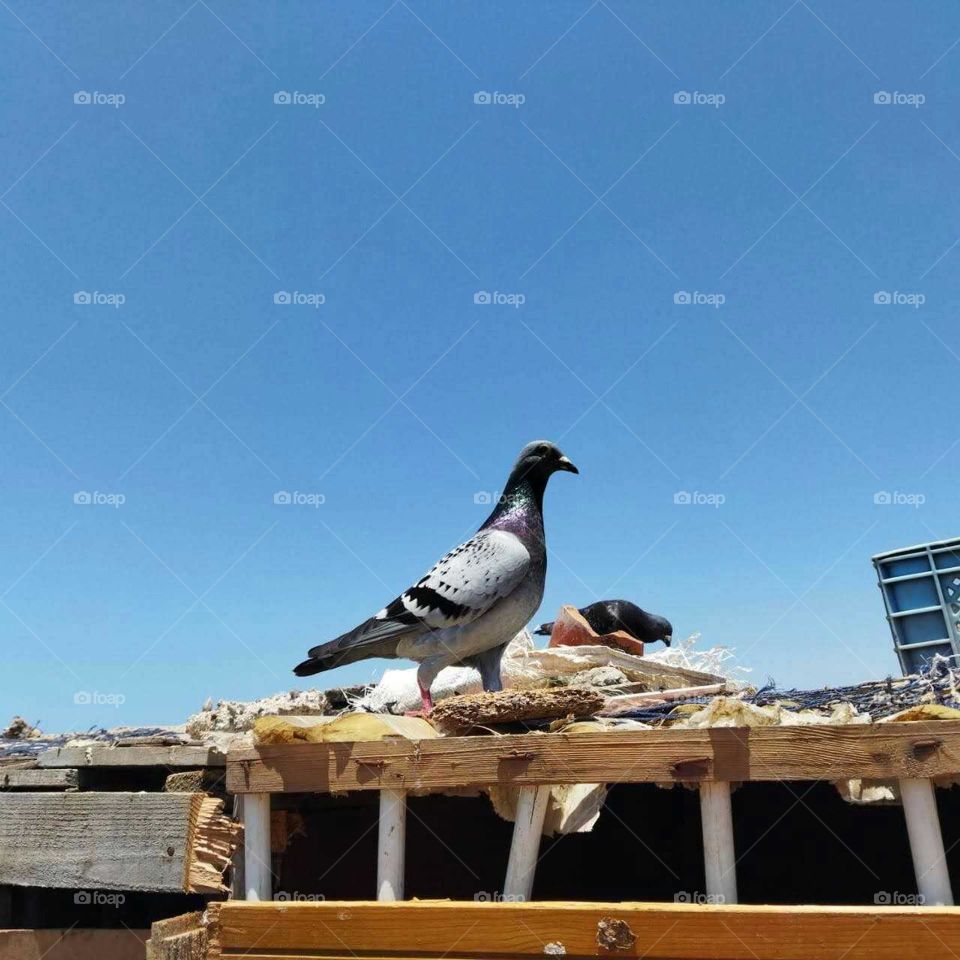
(181, 198)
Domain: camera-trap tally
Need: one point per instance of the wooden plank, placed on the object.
(107, 755)
(178, 938)
(63, 778)
(176, 842)
(72, 944)
(870, 751)
(652, 930)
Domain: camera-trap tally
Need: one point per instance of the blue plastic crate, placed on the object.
(921, 592)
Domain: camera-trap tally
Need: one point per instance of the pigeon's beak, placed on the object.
(565, 463)
(668, 640)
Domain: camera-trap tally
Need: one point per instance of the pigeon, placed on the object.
(606, 616)
(473, 601)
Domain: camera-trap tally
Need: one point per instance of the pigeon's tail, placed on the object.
(545, 629)
(373, 638)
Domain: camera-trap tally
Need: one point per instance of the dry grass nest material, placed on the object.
(460, 714)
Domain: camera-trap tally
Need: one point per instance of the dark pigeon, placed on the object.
(469, 606)
(606, 616)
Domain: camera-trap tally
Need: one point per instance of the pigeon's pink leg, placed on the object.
(427, 703)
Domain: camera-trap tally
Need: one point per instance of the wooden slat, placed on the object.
(63, 778)
(874, 751)
(74, 943)
(106, 755)
(173, 842)
(652, 930)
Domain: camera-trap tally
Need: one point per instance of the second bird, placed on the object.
(469, 606)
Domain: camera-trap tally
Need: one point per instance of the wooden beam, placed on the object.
(37, 779)
(719, 856)
(629, 930)
(257, 869)
(178, 938)
(107, 755)
(72, 944)
(175, 842)
(867, 751)
(926, 841)
(391, 845)
(525, 845)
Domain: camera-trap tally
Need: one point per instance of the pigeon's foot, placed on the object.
(426, 698)
(424, 714)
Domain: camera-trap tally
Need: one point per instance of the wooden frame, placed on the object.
(629, 930)
(887, 751)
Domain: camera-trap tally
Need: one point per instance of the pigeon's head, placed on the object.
(540, 459)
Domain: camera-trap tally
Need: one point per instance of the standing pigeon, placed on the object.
(606, 616)
(474, 600)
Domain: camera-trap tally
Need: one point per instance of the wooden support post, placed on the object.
(926, 841)
(522, 865)
(257, 874)
(391, 846)
(719, 857)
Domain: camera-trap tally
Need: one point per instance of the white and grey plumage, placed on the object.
(475, 599)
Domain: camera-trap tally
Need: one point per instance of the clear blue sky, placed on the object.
(398, 198)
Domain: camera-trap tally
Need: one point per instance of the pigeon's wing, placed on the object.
(461, 587)
(467, 582)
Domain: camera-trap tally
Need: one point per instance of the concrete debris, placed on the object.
(458, 715)
(233, 716)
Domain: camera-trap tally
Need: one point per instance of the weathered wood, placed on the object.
(867, 751)
(178, 842)
(37, 779)
(651, 930)
(178, 938)
(106, 755)
(72, 944)
(205, 780)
